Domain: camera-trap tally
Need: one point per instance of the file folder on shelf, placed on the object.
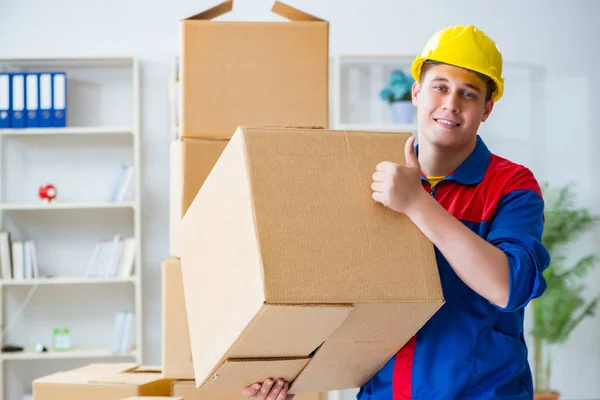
(18, 100)
(59, 99)
(32, 100)
(5, 110)
(45, 118)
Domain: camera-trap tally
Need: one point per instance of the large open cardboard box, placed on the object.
(102, 382)
(252, 73)
(292, 270)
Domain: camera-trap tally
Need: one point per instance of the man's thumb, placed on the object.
(412, 160)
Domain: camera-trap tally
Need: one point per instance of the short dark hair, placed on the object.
(489, 82)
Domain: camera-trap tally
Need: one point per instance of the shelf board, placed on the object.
(66, 280)
(65, 206)
(68, 354)
(84, 130)
(379, 127)
(69, 62)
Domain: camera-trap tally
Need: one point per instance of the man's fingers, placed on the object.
(378, 186)
(382, 166)
(265, 388)
(379, 176)
(251, 390)
(412, 160)
(283, 394)
(275, 390)
(380, 198)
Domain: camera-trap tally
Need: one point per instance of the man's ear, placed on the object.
(488, 110)
(416, 88)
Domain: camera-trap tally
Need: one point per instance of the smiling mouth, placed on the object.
(447, 122)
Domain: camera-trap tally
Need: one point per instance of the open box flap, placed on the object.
(214, 12)
(281, 9)
(291, 13)
(239, 373)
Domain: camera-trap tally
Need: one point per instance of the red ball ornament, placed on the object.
(47, 193)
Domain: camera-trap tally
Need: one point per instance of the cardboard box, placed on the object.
(176, 349)
(252, 73)
(187, 391)
(191, 162)
(102, 382)
(291, 269)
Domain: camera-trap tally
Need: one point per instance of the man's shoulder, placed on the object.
(505, 176)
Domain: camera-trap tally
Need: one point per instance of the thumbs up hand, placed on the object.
(398, 186)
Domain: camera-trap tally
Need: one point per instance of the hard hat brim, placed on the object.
(417, 65)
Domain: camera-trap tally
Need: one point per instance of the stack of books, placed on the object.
(18, 259)
(112, 258)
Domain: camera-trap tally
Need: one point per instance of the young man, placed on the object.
(483, 213)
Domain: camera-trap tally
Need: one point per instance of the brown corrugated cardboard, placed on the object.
(252, 73)
(191, 162)
(285, 224)
(102, 382)
(361, 343)
(187, 391)
(176, 350)
(154, 398)
(272, 324)
(246, 371)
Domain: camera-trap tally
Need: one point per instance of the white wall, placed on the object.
(561, 36)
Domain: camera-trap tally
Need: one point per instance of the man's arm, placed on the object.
(506, 269)
(480, 265)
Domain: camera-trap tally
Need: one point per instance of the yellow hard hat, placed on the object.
(466, 47)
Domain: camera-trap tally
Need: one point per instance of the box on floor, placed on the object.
(191, 160)
(187, 391)
(111, 381)
(252, 73)
(291, 270)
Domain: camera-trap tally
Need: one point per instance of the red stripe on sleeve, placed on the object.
(402, 379)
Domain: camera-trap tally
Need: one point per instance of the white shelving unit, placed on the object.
(103, 131)
(356, 81)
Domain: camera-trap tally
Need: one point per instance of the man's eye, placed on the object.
(469, 95)
(439, 88)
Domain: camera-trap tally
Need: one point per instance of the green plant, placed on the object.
(562, 307)
(398, 87)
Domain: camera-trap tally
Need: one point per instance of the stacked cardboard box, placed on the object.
(231, 74)
(242, 73)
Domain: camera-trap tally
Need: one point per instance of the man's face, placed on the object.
(451, 105)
